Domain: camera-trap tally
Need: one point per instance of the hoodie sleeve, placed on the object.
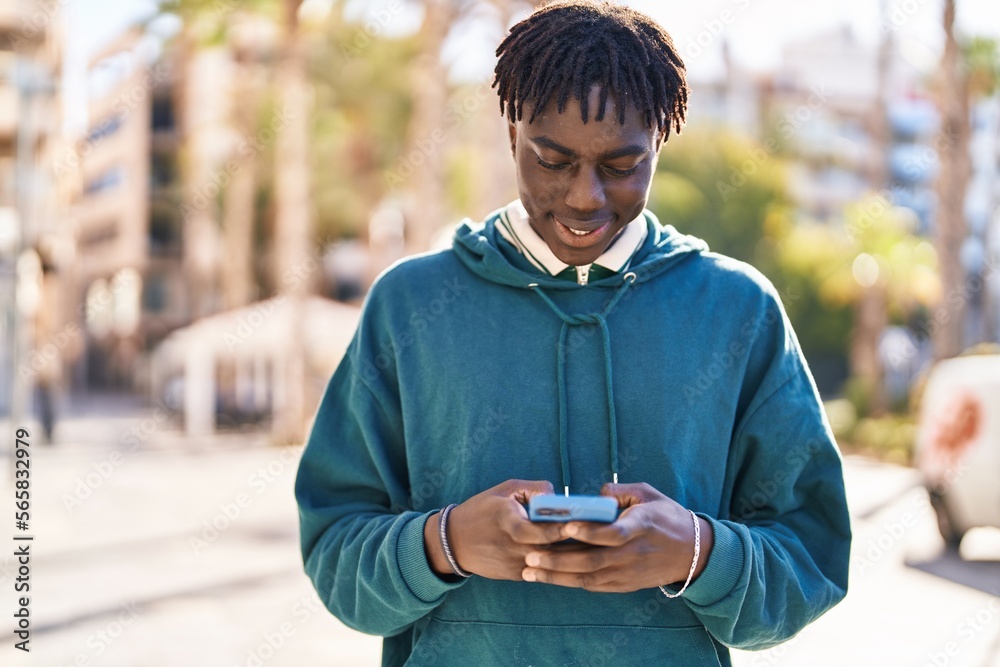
(363, 551)
(780, 558)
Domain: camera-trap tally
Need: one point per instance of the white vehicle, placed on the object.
(958, 443)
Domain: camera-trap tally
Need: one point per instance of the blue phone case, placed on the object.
(572, 508)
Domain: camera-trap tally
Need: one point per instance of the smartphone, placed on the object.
(572, 508)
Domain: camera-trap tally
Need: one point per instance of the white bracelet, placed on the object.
(694, 563)
(443, 532)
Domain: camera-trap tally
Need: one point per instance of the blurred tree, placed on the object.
(870, 317)
(981, 58)
(720, 187)
(293, 242)
(358, 130)
(952, 183)
(251, 48)
(732, 192)
(212, 27)
(428, 134)
(216, 126)
(887, 273)
(425, 135)
(968, 71)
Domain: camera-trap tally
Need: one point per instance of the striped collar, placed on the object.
(514, 226)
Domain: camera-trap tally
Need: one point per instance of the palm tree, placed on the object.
(293, 218)
(238, 208)
(870, 316)
(430, 98)
(951, 186)
(205, 45)
(981, 56)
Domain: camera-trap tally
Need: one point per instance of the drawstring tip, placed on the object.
(614, 478)
(566, 491)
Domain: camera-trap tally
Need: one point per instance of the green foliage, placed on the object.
(206, 21)
(890, 437)
(359, 130)
(981, 61)
(843, 418)
(720, 187)
(901, 263)
(858, 393)
(732, 192)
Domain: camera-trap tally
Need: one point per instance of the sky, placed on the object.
(756, 30)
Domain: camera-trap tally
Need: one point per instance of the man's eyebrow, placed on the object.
(624, 151)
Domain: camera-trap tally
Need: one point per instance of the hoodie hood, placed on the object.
(477, 246)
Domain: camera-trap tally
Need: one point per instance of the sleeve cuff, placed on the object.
(724, 567)
(416, 571)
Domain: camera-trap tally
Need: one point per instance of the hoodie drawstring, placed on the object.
(599, 319)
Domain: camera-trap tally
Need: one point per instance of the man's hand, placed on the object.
(650, 544)
(490, 534)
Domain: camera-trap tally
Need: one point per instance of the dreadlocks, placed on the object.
(564, 49)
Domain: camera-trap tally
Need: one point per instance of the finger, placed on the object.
(631, 494)
(522, 491)
(616, 534)
(602, 581)
(523, 531)
(590, 559)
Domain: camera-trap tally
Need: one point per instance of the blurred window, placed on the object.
(163, 114)
(164, 232)
(163, 170)
(154, 294)
(99, 234)
(105, 129)
(106, 181)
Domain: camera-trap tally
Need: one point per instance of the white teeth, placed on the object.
(577, 232)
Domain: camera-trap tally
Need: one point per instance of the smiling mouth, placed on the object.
(583, 232)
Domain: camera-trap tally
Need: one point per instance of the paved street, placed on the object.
(175, 552)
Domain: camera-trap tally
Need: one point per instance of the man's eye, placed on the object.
(621, 172)
(549, 165)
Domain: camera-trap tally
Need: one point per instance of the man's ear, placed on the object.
(512, 131)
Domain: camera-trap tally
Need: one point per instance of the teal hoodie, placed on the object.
(469, 368)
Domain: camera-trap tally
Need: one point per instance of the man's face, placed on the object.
(581, 183)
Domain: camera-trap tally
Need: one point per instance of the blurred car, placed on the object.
(958, 443)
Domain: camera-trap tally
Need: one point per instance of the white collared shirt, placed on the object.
(514, 226)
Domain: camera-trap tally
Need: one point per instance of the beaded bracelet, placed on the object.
(694, 563)
(443, 530)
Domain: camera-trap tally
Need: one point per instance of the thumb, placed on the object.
(522, 490)
(628, 495)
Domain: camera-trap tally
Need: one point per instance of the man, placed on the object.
(573, 343)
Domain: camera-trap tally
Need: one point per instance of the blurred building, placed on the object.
(126, 235)
(734, 100)
(32, 198)
(981, 253)
(820, 111)
(853, 124)
(170, 260)
(850, 119)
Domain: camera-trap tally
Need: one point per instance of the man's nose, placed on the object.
(586, 191)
